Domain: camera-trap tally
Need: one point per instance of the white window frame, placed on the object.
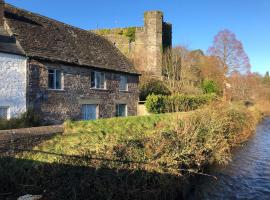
(54, 79)
(126, 83)
(117, 111)
(7, 110)
(96, 83)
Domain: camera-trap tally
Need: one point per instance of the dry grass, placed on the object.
(130, 158)
(164, 143)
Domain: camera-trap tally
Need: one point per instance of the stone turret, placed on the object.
(143, 45)
(153, 23)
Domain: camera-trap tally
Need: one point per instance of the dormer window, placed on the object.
(98, 80)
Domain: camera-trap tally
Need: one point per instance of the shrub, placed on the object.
(28, 119)
(129, 158)
(177, 102)
(155, 103)
(153, 86)
(210, 86)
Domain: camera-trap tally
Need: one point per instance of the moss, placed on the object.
(130, 32)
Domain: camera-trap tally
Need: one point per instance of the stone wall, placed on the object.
(143, 45)
(55, 106)
(26, 138)
(13, 83)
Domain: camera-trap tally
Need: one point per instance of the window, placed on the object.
(121, 110)
(123, 83)
(55, 79)
(89, 111)
(98, 80)
(4, 112)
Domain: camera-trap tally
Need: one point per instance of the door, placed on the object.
(89, 111)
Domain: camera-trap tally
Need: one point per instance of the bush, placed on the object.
(176, 103)
(153, 86)
(28, 119)
(209, 86)
(129, 158)
(155, 103)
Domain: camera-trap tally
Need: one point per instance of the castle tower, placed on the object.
(144, 46)
(153, 24)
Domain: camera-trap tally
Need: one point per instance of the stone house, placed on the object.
(60, 71)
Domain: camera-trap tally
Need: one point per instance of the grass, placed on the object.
(203, 136)
(134, 157)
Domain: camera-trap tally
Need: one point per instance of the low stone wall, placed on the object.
(141, 109)
(25, 138)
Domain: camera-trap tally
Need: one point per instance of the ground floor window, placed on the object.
(121, 110)
(89, 111)
(4, 112)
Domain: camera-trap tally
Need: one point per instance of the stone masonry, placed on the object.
(143, 45)
(55, 106)
(32, 45)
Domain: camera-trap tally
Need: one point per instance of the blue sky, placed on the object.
(195, 22)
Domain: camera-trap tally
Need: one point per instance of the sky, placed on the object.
(195, 22)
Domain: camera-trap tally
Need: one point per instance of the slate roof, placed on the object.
(44, 38)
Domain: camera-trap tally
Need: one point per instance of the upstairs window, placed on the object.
(123, 83)
(121, 110)
(55, 79)
(98, 80)
(4, 112)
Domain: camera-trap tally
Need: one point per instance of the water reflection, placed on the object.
(247, 177)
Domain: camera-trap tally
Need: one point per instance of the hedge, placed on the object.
(176, 103)
(27, 119)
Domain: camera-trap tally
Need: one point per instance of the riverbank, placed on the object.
(246, 177)
(147, 157)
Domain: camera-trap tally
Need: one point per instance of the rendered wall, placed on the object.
(13, 83)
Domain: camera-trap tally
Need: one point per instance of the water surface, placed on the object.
(247, 176)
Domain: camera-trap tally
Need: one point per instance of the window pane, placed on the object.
(58, 79)
(3, 112)
(121, 110)
(93, 79)
(51, 80)
(98, 80)
(123, 83)
(102, 80)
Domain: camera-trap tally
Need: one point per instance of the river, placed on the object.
(246, 177)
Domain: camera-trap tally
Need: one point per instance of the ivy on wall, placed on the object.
(129, 32)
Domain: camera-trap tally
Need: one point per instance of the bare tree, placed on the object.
(180, 68)
(231, 53)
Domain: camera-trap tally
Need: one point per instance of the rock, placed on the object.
(30, 197)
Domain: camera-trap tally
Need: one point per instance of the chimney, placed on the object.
(2, 10)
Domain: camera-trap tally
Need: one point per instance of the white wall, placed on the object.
(13, 83)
